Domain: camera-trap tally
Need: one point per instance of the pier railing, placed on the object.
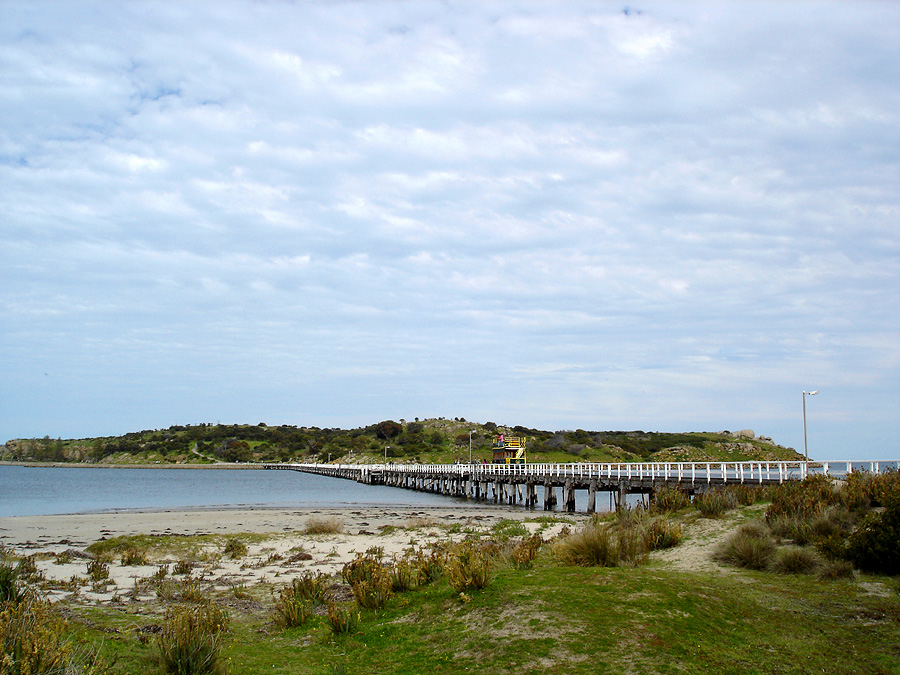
(683, 472)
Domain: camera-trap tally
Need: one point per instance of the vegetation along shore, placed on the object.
(437, 440)
(795, 578)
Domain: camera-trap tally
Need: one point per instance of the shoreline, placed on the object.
(278, 543)
(90, 465)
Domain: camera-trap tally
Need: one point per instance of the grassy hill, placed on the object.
(437, 440)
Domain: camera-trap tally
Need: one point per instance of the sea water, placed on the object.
(36, 491)
(32, 491)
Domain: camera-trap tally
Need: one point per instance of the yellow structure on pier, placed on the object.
(509, 450)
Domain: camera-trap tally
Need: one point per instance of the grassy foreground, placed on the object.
(565, 620)
(541, 617)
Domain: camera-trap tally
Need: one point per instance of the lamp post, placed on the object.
(805, 448)
(470, 446)
(385, 453)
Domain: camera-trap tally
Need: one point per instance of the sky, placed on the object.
(666, 216)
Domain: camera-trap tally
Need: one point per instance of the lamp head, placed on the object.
(811, 393)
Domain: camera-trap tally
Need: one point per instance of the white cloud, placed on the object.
(669, 218)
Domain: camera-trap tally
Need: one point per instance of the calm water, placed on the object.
(34, 491)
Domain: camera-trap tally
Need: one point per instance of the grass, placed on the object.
(545, 616)
(329, 525)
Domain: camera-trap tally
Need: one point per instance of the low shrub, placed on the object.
(374, 591)
(32, 642)
(524, 552)
(235, 548)
(97, 570)
(133, 556)
(749, 547)
(183, 567)
(669, 499)
(874, 546)
(804, 499)
(795, 528)
(745, 495)
(330, 525)
(830, 570)
(430, 564)
(10, 589)
(190, 640)
(711, 504)
(661, 533)
(796, 560)
(363, 566)
(468, 567)
(404, 574)
(591, 546)
(342, 618)
(292, 609)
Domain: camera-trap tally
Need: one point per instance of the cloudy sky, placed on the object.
(661, 216)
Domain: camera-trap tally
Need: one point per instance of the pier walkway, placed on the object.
(520, 483)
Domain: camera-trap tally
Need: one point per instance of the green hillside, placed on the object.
(437, 440)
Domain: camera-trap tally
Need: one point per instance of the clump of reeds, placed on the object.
(235, 548)
(190, 640)
(669, 500)
(291, 608)
(591, 546)
(97, 570)
(342, 618)
(404, 572)
(712, 504)
(331, 525)
(132, 556)
(32, 642)
(524, 551)
(369, 579)
(183, 567)
(468, 567)
(796, 560)
(831, 570)
(10, 589)
(751, 547)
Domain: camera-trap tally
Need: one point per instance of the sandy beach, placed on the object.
(278, 546)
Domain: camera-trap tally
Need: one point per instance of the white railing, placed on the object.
(693, 472)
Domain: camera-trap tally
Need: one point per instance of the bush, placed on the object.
(324, 526)
(235, 548)
(374, 591)
(404, 574)
(711, 504)
(31, 642)
(97, 570)
(591, 546)
(669, 499)
(796, 560)
(875, 545)
(797, 529)
(469, 567)
(10, 591)
(183, 567)
(342, 618)
(750, 547)
(661, 533)
(292, 609)
(804, 499)
(831, 570)
(190, 640)
(744, 495)
(430, 564)
(133, 556)
(525, 551)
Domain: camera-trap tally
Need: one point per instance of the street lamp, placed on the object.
(385, 453)
(470, 446)
(805, 394)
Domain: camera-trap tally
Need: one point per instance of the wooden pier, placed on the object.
(519, 483)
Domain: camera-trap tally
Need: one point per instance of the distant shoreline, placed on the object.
(88, 465)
